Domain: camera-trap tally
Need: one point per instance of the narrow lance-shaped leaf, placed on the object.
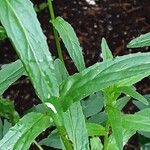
(95, 129)
(122, 71)
(140, 121)
(106, 53)
(131, 91)
(115, 119)
(9, 73)
(25, 131)
(121, 102)
(141, 105)
(141, 41)
(30, 44)
(70, 40)
(75, 123)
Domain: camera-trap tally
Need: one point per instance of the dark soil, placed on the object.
(118, 21)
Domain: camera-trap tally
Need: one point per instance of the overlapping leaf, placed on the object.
(53, 140)
(141, 105)
(121, 102)
(141, 41)
(122, 71)
(70, 40)
(98, 118)
(95, 129)
(145, 146)
(30, 44)
(115, 119)
(131, 91)
(9, 73)
(96, 144)
(76, 128)
(140, 121)
(21, 136)
(93, 101)
(4, 127)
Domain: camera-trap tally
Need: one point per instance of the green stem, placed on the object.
(62, 132)
(58, 46)
(37, 144)
(106, 137)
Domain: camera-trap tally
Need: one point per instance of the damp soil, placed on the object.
(118, 21)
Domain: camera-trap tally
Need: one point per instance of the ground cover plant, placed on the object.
(83, 106)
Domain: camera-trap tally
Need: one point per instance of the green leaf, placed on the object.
(111, 94)
(76, 128)
(106, 53)
(145, 146)
(94, 101)
(30, 44)
(70, 40)
(3, 34)
(145, 134)
(96, 144)
(7, 110)
(1, 129)
(122, 71)
(95, 129)
(127, 134)
(115, 120)
(98, 118)
(120, 103)
(25, 131)
(131, 91)
(39, 7)
(40, 108)
(53, 140)
(140, 121)
(143, 140)
(60, 71)
(141, 105)
(141, 41)
(4, 127)
(9, 73)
